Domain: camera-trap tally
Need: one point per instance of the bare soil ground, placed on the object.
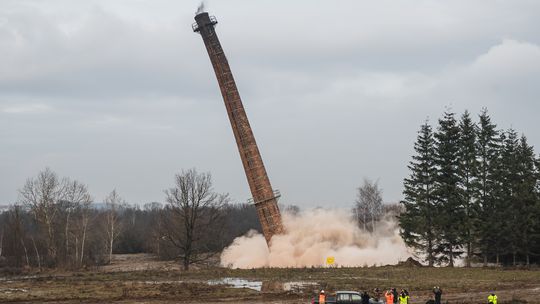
(143, 279)
(139, 262)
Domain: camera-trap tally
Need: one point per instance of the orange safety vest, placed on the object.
(389, 298)
(322, 298)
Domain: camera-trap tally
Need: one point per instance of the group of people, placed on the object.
(437, 292)
(391, 296)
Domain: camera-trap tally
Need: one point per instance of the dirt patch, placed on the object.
(138, 262)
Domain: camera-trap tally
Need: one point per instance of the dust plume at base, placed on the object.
(312, 236)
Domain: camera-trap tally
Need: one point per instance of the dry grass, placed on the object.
(158, 285)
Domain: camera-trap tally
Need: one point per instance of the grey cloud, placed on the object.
(121, 94)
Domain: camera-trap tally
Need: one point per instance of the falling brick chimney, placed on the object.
(264, 197)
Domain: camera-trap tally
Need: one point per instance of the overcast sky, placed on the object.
(121, 94)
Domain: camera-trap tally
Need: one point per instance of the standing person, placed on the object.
(376, 296)
(396, 295)
(322, 297)
(437, 291)
(404, 297)
(492, 298)
(365, 297)
(389, 297)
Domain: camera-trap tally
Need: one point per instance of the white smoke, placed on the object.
(200, 8)
(313, 236)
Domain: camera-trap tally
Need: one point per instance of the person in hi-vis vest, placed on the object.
(492, 298)
(322, 297)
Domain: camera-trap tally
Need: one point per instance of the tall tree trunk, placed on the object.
(158, 247)
(111, 242)
(25, 254)
(431, 258)
(37, 254)
(451, 255)
(365, 226)
(187, 251)
(67, 236)
(186, 263)
(430, 252)
(469, 252)
(51, 250)
(526, 249)
(85, 225)
(76, 251)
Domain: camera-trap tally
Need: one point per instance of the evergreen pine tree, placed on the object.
(535, 229)
(474, 187)
(526, 199)
(418, 220)
(468, 166)
(488, 146)
(449, 197)
(506, 211)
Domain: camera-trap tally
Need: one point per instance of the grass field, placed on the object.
(171, 285)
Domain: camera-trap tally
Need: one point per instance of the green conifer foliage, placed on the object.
(526, 199)
(450, 212)
(487, 150)
(418, 221)
(472, 189)
(508, 198)
(468, 173)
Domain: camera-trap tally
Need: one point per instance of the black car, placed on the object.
(341, 297)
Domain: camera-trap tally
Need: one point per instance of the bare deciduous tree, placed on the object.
(113, 202)
(77, 199)
(38, 258)
(41, 195)
(84, 213)
(368, 205)
(18, 235)
(292, 209)
(194, 222)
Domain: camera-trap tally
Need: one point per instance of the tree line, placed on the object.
(473, 192)
(57, 223)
